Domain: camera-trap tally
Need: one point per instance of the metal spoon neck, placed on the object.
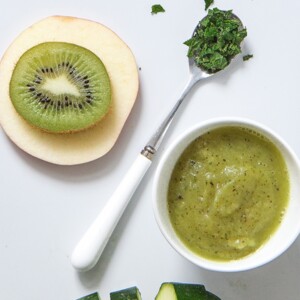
(155, 141)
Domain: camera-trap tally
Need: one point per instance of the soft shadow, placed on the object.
(276, 280)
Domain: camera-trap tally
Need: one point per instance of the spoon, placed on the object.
(89, 249)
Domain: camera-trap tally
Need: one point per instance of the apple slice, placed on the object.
(84, 146)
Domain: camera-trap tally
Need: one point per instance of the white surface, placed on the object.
(45, 209)
(284, 236)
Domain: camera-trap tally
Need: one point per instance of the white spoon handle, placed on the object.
(92, 244)
(90, 247)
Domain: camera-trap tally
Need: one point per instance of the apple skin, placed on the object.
(119, 61)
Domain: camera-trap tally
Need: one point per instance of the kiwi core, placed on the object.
(60, 87)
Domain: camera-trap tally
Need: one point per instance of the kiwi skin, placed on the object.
(81, 70)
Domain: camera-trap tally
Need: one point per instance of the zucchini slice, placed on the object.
(131, 293)
(211, 296)
(184, 291)
(94, 296)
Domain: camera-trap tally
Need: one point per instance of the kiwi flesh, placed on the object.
(60, 87)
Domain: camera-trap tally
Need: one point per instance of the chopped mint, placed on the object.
(208, 3)
(247, 57)
(157, 8)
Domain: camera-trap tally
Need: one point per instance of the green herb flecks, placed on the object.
(208, 3)
(157, 8)
(247, 57)
(216, 41)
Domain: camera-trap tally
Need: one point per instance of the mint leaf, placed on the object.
(247, 57)
(157, 8)
(208, 3)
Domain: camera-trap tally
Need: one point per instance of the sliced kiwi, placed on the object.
(60, 87)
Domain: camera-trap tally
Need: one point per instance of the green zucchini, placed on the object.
(184, 291)
(211, 296)
(131, 293)
(94, 296)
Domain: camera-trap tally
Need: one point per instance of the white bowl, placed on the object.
(284, 236)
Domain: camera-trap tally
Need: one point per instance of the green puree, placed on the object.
(228, 193)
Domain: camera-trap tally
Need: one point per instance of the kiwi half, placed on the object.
(60, 87)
